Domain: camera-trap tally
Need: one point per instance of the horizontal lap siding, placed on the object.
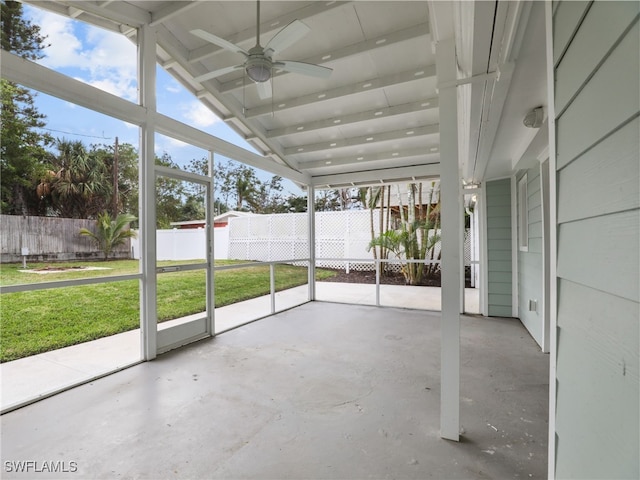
(598, 264)
(530, 262)
(499, 248)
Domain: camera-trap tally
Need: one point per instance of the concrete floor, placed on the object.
(47, 373)
(320, 391)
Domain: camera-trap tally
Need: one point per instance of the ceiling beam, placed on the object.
(171, 10)
(382, 41)
(119, 12)
(344, 91)
(186, 133)
(273, 25)
(40, 78)
(376, 113)
(78, 14)
(397, 154)
(378, 176)
(364, 139)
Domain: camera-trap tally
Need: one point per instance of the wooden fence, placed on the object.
(50, 239)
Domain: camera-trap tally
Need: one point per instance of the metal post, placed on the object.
(311, 213)
(377, 282)
(272, 286)
(450, 192)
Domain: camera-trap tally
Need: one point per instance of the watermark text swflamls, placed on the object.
(36, 466)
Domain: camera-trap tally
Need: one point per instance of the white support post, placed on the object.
(484, 254)
(450, 191)
(147, 208)
(210, 235)
(311, 213)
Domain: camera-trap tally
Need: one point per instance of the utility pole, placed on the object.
(115, 180)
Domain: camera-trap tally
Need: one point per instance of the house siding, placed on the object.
(530, 262)
(597, 75)
(499, 246)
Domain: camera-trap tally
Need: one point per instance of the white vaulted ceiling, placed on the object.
(374, 119)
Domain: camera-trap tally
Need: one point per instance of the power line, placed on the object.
(77, 134)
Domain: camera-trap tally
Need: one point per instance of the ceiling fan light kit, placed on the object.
(258, 68)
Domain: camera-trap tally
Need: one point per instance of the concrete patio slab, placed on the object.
(320, 391)
(42, 375)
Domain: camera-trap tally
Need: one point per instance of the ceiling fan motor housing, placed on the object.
(258, 65)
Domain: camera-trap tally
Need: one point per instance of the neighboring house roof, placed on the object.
(187, 223)
(231, 214)
(223, 218)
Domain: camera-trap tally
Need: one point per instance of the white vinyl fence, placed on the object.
(186, 244)
(339, 235)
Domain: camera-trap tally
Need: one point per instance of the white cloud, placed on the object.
(104, 59)
(198, 115)
(169, 145)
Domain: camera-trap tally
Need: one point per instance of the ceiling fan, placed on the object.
(259, 62)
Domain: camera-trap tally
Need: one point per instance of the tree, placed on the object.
(295, 203)
(413, 239)
(170, 195)
(267, 197)
(110, 233)
(81, 186)
(127, 173)
(239, 185)
(22, 151)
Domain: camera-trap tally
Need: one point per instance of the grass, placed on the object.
(43, 320)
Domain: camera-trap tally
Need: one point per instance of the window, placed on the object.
(523, 215)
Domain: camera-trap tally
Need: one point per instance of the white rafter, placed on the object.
(374, 114)
(364, 139)
(345, 91)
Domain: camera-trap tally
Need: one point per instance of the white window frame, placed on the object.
(523, 215)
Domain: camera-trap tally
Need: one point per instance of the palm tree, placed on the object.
(81, 187)
(110, 233)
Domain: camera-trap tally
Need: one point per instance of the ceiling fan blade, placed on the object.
(217, 73)
(221, 42)
(309, 69)
(287, 37)
(264, 89)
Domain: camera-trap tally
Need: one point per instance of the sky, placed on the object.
(107, 60)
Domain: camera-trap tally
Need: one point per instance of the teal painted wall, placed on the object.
(499, 266)
(530, 261)
(597, 95)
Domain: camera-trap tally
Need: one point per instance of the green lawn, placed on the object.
(42, 320)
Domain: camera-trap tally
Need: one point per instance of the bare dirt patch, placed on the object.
(369, 277)
(58, 269)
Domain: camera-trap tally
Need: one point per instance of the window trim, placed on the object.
(523, 215)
